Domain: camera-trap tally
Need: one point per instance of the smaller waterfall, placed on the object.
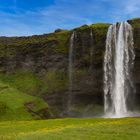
(118, 62)
(71, 60)
(70, 69)
(91, 50)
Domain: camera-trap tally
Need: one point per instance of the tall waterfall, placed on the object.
(118, 64)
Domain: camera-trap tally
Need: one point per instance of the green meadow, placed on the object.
(72, 129)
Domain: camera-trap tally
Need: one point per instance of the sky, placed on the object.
(29, 17)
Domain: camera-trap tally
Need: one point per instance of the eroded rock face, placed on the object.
(136, 26)
(47, 57)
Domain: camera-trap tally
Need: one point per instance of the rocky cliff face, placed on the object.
(136, 26)
(38, 65)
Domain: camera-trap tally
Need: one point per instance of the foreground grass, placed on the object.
(72, 129)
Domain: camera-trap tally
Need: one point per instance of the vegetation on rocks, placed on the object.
(17, 105)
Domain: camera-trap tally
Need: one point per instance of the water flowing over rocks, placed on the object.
(118, 64)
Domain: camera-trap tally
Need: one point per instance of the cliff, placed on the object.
(38, 66)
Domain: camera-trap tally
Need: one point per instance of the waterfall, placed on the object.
(118, 64)
(70, 69)
(91, 50)
(71, 60)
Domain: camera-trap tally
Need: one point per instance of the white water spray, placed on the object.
(118, 62)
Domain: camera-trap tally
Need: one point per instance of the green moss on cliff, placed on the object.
(136, 27)
(33, 84)
(27, 82)
(55, 82)
(83, 27)
(63, 42)
(100, 25)
(54, 43)
(135, 22)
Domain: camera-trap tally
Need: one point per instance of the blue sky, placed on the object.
(28, 17)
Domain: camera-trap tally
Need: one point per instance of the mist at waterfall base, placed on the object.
(119, 90)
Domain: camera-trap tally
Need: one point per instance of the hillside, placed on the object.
(34, 73)
(16, 105)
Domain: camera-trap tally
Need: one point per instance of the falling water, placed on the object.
(91, 51)
(70, 69)
(118, 63)
(71, 60)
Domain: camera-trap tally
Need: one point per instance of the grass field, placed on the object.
(72, 129)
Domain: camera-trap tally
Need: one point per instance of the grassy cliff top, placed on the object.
(59, 38)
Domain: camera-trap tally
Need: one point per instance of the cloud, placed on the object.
(132, 7)
(64, 14)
